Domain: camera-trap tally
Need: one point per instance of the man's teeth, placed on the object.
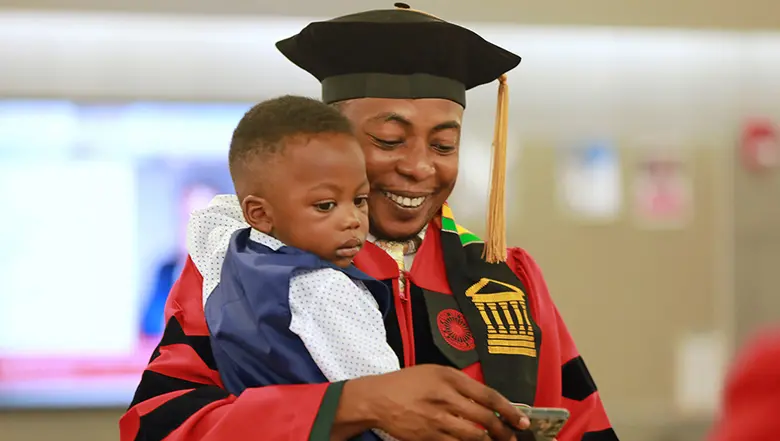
(404, 201)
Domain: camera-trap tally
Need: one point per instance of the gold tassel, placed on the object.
(495, 246)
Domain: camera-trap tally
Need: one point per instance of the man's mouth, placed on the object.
(405, 201)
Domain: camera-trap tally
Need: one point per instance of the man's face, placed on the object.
(411, 149)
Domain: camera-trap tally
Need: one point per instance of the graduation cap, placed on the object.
(403, 53)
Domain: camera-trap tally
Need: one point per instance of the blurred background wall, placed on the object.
(616, 104)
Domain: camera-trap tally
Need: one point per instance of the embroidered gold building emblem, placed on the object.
(505, 314)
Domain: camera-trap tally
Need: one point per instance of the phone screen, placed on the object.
(546, 423)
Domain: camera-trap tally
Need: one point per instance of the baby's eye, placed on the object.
(361, 201)
(325, 206)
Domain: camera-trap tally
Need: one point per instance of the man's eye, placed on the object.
(387, 143)
(443, 148)
(325, 206)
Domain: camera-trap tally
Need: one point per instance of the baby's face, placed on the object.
(319, 199)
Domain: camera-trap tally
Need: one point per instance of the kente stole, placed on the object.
(494, 303)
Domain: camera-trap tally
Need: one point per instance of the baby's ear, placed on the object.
(258, 213)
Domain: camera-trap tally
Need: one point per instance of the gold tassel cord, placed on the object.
(495, 246)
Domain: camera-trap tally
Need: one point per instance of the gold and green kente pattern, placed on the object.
(449, 225)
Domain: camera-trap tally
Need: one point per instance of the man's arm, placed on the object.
(564, 380)
(180, 397)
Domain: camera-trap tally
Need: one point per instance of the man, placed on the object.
(472, 336)
(752, 392)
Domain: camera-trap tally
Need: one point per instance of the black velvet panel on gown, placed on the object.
(426, 351)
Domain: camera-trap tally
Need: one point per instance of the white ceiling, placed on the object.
(723, 14)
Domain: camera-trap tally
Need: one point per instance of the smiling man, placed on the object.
(472, 323)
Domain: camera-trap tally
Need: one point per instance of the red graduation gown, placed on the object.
(752, 394)
(181, 398)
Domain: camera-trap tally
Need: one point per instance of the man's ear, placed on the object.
(258, 213)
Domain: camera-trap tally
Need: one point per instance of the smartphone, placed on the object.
(546, 423)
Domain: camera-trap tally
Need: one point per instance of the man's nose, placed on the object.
(417, 162)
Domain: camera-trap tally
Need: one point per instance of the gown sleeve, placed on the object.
(751, 396)
(181, 398)
(564, 380)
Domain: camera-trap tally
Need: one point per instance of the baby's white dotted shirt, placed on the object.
(337, 318)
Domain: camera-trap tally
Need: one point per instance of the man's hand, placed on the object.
(426, 403)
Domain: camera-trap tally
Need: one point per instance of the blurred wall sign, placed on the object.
(760, 146)
(663, 190)
(701, 362)
(589, 181)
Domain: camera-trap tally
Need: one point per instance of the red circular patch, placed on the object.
(455, 330)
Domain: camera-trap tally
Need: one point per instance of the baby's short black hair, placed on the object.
(264, 128)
